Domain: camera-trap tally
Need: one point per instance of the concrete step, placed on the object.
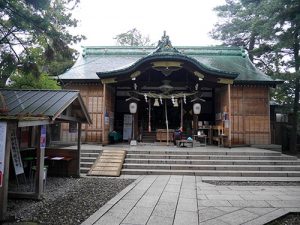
(90, 151)
(88, 159)
(208, 152)
(212, 162)
(209, 157)
(86, 164)
(94, 155)
(211, 167)
(84, 170)
(212, 173)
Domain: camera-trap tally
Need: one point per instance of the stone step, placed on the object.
(86, 164)
(94, 155)
(212, 152)
(211, 167)
(213, 162)
(90, 151)
(212, 173)
(84, 170)
(88, 159)
(209, 157)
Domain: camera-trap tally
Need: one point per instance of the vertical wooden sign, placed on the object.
(3, 128)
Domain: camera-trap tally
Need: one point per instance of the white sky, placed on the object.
(186, 22)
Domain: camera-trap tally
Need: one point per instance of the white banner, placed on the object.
(3, 128)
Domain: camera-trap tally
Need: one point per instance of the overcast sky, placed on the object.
(186, 22)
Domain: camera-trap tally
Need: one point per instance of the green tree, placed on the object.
(132, 37)
(270, 30)
(34, 35)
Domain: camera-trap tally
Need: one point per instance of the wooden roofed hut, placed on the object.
(35, 108)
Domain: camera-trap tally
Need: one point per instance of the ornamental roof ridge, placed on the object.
(165, 46)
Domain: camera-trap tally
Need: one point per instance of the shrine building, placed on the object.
(215, 90)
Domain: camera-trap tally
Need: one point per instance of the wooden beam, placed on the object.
(33, 123)
(103, 113)
(39, 173)
(4, 188)
(78, 149)
(229, 115)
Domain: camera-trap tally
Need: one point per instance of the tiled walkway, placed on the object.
(186, 200)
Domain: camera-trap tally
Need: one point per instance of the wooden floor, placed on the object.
(109, 163)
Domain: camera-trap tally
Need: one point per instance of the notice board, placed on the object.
(3, 128)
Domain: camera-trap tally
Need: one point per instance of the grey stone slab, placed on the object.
(187, 204)
(138, 215)
(159, 220)
(213, 222)
(213, 203)
(249, 203)
(228, 209)
(169, 197)
(208, 192)
(184, 218)
(284, 203)
(223, 197)
(260, 211)
(172, 188)
(166, 209)
(100, 212)
(287, 197)
(238, 217)
(210, 213)
(259, 197)
(147, 201)
(234, 192)
(201, 197)
(188, 193)
(109, 219)
(267, 217)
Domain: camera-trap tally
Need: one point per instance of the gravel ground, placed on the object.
(66, 201)
(289, 219)
(254, 183)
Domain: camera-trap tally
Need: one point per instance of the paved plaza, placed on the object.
(187, 200)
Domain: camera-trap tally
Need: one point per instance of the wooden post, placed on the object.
(181, 114)
(103, 114)
(78, 149)
(229, 114)
(4, 188)
(39, 173)
(149, 116)
(167, 122)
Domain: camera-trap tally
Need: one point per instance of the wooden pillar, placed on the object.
(103, 113)
(181, 114)
(229, 114)
(149, 116)
(40, 156)
(78, 149)
(4, 188)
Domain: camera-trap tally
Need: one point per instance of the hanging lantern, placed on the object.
(156, 103)
(175, 103)
(133, 107)
(197, 108)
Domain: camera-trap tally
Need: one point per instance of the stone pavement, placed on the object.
(186, 200)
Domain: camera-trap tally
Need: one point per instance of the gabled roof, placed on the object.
(109, 61)
(43, 105)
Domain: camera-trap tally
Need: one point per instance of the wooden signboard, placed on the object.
(3, 128)
(127, 126)
(16, 156)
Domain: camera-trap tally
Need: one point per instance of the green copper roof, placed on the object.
(108, 61)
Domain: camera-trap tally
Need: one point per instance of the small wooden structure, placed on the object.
(166, 79)
(35, 108)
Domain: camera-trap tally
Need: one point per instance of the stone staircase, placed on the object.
(87, 158)
(241, 162)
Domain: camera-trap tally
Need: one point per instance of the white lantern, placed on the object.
(197, 108)
(133, 107)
